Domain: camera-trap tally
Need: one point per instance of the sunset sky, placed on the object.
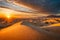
(51, 6)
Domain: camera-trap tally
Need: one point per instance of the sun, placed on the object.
(8, 16)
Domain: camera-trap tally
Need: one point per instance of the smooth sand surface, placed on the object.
(21, 32)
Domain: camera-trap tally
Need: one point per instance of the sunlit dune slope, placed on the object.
(55, 26)
(20, 32)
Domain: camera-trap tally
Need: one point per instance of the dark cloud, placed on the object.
(48, 5)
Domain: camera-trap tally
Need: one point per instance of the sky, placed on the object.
(13, 6)
(52, 6)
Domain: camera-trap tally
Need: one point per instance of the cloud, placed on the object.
(52, 6)
(13, 6)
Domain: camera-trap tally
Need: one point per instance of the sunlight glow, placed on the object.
(8, 15)
(6, 12)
